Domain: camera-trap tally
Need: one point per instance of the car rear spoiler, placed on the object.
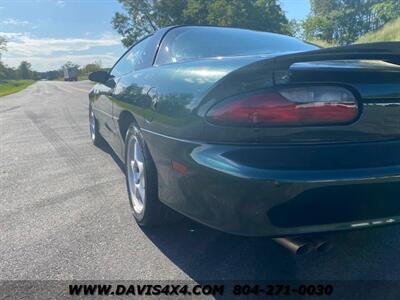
(385, 51)
(276, 70)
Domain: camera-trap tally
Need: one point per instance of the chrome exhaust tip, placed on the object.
(296, 245)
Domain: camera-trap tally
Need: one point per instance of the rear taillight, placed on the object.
(300, 106)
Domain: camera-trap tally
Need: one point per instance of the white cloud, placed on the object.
(50, 53)
(12, 35)
(14, 22)
(27, 46)
(60, 3)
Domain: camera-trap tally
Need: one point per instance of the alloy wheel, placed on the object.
(136, 174)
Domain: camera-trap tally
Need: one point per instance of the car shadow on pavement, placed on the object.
(207, 254)
(107, 149)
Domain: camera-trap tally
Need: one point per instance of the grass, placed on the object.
(8, 87)
(390, 32)
(83, 77)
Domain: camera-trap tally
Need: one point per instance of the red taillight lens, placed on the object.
(305, 106)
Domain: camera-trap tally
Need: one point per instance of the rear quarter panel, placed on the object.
(165, 99)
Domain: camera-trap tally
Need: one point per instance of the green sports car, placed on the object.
(254, 133)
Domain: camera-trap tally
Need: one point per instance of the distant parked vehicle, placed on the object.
(71, 74)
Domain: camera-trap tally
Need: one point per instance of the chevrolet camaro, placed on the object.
(254, 133)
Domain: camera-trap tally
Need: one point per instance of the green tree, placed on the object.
(52, 75)
(3, 45)
(385, 11)
(24, 70)
(3, 70)
(344, 21)
(143, 17)
(138, 21)
(90, 68)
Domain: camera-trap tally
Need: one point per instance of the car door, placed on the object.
(103, 106)
(109, 90)
(131, 88)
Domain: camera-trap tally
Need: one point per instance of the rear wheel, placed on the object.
(95, 135)
(141, 179)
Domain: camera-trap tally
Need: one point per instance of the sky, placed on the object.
(48, 33)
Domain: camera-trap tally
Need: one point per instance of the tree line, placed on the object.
(24, 71)
(342, 22)
(338, 22)
(142, 17)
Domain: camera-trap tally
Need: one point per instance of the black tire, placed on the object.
(153, 212)
(95, 135)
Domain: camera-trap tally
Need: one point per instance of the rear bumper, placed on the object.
(231, 188)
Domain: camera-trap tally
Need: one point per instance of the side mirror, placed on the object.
(99, 76)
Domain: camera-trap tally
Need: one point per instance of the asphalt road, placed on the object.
(64, 213)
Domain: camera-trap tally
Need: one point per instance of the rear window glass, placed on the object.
(187, 43)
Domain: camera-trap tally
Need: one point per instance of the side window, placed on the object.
(138, 57)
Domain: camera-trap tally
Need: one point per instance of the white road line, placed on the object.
(72, 88)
